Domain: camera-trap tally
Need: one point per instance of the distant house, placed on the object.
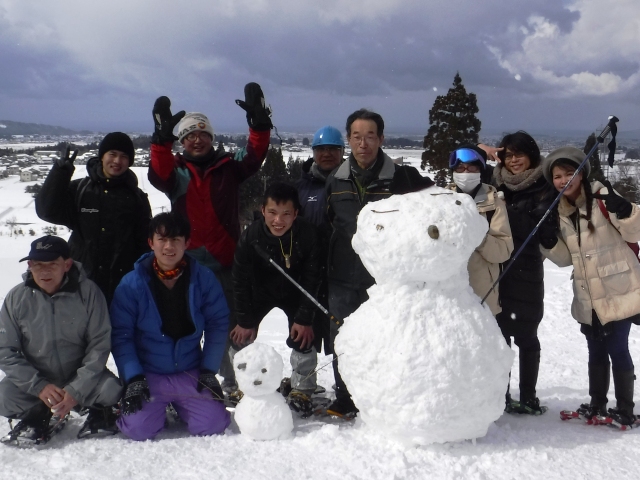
(29, 175)
(14, 169)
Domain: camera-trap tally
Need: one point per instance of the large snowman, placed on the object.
(424, 361)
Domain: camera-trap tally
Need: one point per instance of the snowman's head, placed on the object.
(426, 236)
(258, 369)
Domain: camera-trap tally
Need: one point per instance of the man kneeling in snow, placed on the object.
(160, 312)
(55, 339)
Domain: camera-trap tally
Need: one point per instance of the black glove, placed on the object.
(68, 159)
(136, 392)
(164, 121)
(258, 113)
(548, 230)
(614, 203)
(207, 380)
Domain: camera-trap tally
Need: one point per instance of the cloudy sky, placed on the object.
(537, 65)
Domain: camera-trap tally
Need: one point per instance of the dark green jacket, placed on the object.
(344, 204)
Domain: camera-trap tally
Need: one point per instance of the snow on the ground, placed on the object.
(519, 447)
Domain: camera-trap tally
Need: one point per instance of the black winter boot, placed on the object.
(623, 384)
(100, 422)
(599, 377)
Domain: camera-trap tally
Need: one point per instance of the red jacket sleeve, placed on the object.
(161, 167)
(254, 153)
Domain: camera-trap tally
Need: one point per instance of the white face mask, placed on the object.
(466, 181)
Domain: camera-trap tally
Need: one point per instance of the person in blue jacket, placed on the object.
(159, 314)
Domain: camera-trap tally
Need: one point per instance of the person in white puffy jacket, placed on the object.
(594, 225)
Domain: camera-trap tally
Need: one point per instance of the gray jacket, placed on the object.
(64, 339)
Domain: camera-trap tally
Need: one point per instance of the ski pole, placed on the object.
(610, 126)
(266, 257)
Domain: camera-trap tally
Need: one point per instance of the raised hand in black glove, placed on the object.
(614, 203)
(258, 113)
(136, 392)
(207, 380)
(548, 230)
(164, 121)
(68, 159)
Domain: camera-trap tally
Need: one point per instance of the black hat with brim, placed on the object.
(48, 249)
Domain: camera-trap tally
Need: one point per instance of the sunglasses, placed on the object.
(465, 155)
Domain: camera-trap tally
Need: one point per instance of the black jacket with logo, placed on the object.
(109, 219)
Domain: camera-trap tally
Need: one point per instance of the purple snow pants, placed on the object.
(202, 414)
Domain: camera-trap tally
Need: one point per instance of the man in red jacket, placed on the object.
(202, 183)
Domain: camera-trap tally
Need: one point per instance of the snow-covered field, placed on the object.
(516, 447)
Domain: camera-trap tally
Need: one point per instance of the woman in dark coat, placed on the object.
(519, 177)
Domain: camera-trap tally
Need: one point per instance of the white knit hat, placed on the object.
(194, 122)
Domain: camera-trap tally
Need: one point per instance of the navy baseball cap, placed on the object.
(47, 249)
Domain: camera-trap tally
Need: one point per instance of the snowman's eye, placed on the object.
(264, 370)
(242, 366)
(458, 202)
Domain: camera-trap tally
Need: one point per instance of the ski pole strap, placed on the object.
(267, 258)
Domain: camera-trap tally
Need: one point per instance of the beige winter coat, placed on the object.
(496, 248)
(606, 273)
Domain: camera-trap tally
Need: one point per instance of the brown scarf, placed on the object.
(169, 274)
(519, 181)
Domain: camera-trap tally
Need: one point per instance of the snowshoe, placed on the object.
(34, 433)
(342, 408)
(229, 386)
(285, 388)
(232, 399)
(100, 422)
(619, 419)
(586, 412)
(530, 407)
(301, 403)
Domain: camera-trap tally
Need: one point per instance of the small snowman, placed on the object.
(424, 361)
(262, 414)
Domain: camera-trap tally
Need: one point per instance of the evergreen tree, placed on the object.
(294, 169)
(274, 168)
(251, 190)
(596, 167)
(452, 122)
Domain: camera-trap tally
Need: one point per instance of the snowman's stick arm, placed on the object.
(266, 257)
(600, 139)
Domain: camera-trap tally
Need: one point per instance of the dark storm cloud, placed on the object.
(316, 62)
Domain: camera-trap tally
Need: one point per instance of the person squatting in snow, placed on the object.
(55, 339)
(467, 164)
(159, 314)
(106, 211)
(202, 184)
(258, 287)
(593, 225)
(518, 176)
